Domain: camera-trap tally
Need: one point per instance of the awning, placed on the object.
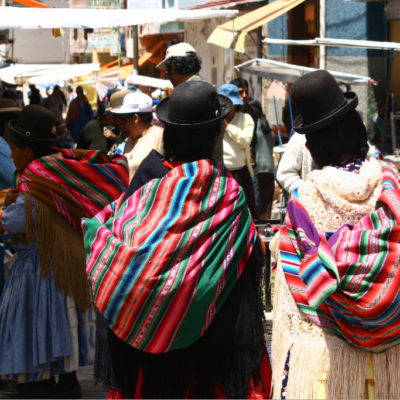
(117, 72)
(232, 34)
(101, 85)
(367, 44)
(32, 3)
(218, 4)
(150, 54)
(36, 18)
(149, 81)
(46, 74)
(284, 72)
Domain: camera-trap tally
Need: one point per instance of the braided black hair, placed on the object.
(348, 136)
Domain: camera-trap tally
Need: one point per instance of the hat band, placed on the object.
(27, 135)
(331, 111)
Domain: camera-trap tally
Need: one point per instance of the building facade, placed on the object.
(343, 20)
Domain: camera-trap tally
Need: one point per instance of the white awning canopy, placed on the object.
(45, 73)
(289, 72)
(36, 18)
(149, 81)
(367, 44)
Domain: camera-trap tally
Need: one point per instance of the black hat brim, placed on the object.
(350, 103)
(162, 112)
(10, 110)
(13, 130)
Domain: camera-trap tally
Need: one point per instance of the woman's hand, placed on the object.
(11, 197)
(109, 134)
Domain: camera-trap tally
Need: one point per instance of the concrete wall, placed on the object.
(196, 33)
(38, 45)
(217, 62)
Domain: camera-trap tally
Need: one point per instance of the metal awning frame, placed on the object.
(285, 72)
(366, 44)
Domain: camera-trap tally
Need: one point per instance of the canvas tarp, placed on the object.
(232, 34)
(45, 73)
(37, 18)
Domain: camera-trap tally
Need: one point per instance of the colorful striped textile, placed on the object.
(162, 263)
(76, 183)
(347, 281)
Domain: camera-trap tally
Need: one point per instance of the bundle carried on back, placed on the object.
(68, 186)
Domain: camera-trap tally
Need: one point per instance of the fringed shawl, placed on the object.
(68, 186)
(76, 183)
(162, 262)
(347, 281)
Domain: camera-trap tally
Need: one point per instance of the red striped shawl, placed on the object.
(348, 281)
(76, 183)
(162, 263)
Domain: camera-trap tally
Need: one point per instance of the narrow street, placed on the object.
(89, 389)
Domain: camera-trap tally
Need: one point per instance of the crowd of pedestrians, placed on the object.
(135, 247)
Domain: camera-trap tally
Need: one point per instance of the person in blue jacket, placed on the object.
(8, 111)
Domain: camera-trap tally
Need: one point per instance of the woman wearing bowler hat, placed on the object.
(336, 314)
(45, 306)
(179, 283)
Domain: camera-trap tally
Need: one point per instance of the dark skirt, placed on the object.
(243, 178)
(227, 361)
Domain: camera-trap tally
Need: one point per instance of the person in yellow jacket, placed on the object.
(238, 134)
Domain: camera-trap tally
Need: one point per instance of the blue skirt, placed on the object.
(34, 332)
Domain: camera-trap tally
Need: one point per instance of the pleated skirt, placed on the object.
(34, 327)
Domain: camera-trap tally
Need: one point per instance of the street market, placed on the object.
(199, 199)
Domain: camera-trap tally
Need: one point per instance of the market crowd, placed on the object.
(134, 244)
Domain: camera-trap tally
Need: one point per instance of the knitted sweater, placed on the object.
(295, 164)
(327, 366)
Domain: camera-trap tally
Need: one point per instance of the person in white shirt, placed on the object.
(135, 119)
(238, 134)
(295, 164)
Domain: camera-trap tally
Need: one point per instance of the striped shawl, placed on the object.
(67, 186)
(347, 281)
(162, 262)
(76, 183)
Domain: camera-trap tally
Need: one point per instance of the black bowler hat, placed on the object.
(319, 101)
(193, 105)
(9, 106)
(35, 125)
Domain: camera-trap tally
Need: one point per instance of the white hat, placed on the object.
(136, 102)
(177, 50)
